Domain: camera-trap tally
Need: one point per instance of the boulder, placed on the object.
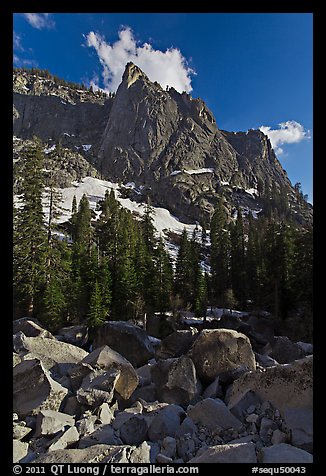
(76, 335)
(176, 381)
(30, 327)
(86, 425)
(141, 454)
(307, 348)
(15, 359)
(145, 373)
(63, 440)
(122, 416)
(300, 422)
(160, 326)
(176, 344)
(104, 414)
(19, 450)
(130, 341)
(265, 360)
(98, 387)
(34, 389)
(93, 454)
(163, 459)
(102, 435)
(54, 355)
(147, 393)
(213, 390)
(134, 430)
(235, 453)
(240, 408)
(278, 437)
(72, 407)
(289, 388)
(98, 454)
(20, 430)
(107, 359)
(169, 447)
(284, 453)
(50, 422)
(165, 423)
(267, 426)
(284, 351)
(187, 427)
(213, 413)
(216, 351)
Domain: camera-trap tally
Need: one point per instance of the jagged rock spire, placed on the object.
(131, 74)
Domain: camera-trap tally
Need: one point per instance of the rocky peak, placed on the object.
(164, 140)
(131, 74)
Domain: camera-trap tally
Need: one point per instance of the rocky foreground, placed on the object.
(196, 396)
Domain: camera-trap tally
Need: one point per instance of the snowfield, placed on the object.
(95, 191)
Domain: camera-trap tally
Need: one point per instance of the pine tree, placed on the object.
(82, 260)
(30, 238)
(164, 278)
(238, 270)
(220, 255)
(97, 310)
(184, 272)
(253, 263)
(278, 256)
(200, 306)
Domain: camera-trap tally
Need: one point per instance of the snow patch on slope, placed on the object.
(95, 191)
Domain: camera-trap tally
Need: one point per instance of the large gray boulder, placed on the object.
(19, 450)
(236, 453)
(213, 413)
(285, 351)
(102, 435)
(165, 423)
(31, 328)
(176, 380)
(55, 355)
(289, 388)
(104, 358)
(217, 351)
(98, 454)
(75, 335)
(92, 454)
(15, 359)
(98, 387)
(50, 422)
(34, 389)
(65, 439)
(130, 341)
(284, 453)
(134, 430)
(176, 344)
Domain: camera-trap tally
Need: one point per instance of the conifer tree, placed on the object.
(164, 278)
(30, 238)
(220, 255)
(238, 273)
(200, 305)
(184, 272)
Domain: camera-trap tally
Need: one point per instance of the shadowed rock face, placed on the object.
(161, 139)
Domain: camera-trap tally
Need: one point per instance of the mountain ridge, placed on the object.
(154, 137)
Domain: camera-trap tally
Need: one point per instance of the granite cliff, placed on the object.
(165, 142)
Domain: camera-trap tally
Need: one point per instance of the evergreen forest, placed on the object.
(115, 267)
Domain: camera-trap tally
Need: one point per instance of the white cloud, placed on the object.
(39, 20)
(168, 68)
(17, 42)
(289, 132)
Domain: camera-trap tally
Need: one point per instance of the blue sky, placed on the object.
(252, 70)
